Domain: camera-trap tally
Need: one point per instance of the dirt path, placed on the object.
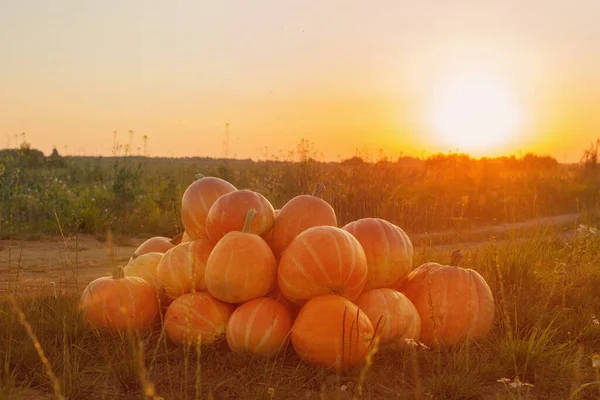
(33, 265)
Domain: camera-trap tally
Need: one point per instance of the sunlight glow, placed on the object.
(474, 112)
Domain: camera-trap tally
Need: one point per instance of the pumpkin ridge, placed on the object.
(226, 275)
(386, 240)
(316, 259)
(267, 334)
(386, 309)
(249, 325)
(302, 271)
(339, 255)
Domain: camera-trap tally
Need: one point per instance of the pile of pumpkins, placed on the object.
(259, 278)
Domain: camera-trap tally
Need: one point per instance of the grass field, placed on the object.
(545, 282)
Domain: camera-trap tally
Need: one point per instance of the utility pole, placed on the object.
(145, 145)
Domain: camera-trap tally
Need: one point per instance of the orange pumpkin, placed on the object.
(392, 314)
(144, 267)
(228, 212)
(322, 260)
(197, 200)
(241, 266)
(158, 244)
(388, 249)
(181, 269)
(119, 303)
(332, 331)
(299, 214)
(260, 327)
(455, 304)
(196, 314)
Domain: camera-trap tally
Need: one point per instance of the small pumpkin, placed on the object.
(322, 260)
(455, 304)
(388, 249)
(393, 313)
(241, 266)
(156, 244)
(144, 267)
(119, 303)
(196, 315)
(299, 214)
(181, 269)
(260, 326)
(197, 200)
(228, 212)
(332, 331)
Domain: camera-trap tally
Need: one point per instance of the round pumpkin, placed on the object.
(455, 304)
(299, 214)
(388, 249)
(197, 200)
(119, 303)
(260, 327)
(156, 244)
(332, 331)
(196, 314)
(392, 314)
(181, 269)
(228, 213)
(144, 267)
(322, 260)
(241, 266)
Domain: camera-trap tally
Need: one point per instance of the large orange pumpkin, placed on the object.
(197, 200)
(392, 314)
(181, 269)
(119, 303)
(158, 244)
(144, 267)
(322, 260)
(388, 249)
(227, 214)
(299, 214)
(332, 331)
(196, 314)
(241, 266)
(260, 327)
(454, 303)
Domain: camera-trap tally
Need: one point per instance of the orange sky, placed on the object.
(73, 72)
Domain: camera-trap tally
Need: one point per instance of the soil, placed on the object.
(57, 264)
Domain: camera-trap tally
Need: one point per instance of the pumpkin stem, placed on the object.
(318, 191)
(455, 258)
(249, 217)
(118, 272)
(198, 177)
(176, 239)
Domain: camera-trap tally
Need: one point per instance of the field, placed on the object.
(66, 221)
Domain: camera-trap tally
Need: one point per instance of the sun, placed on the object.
(474, 113)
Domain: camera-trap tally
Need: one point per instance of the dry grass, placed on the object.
(545, 334)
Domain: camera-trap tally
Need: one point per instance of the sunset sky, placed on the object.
(384, 74)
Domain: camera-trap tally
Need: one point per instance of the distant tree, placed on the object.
(55, 160)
